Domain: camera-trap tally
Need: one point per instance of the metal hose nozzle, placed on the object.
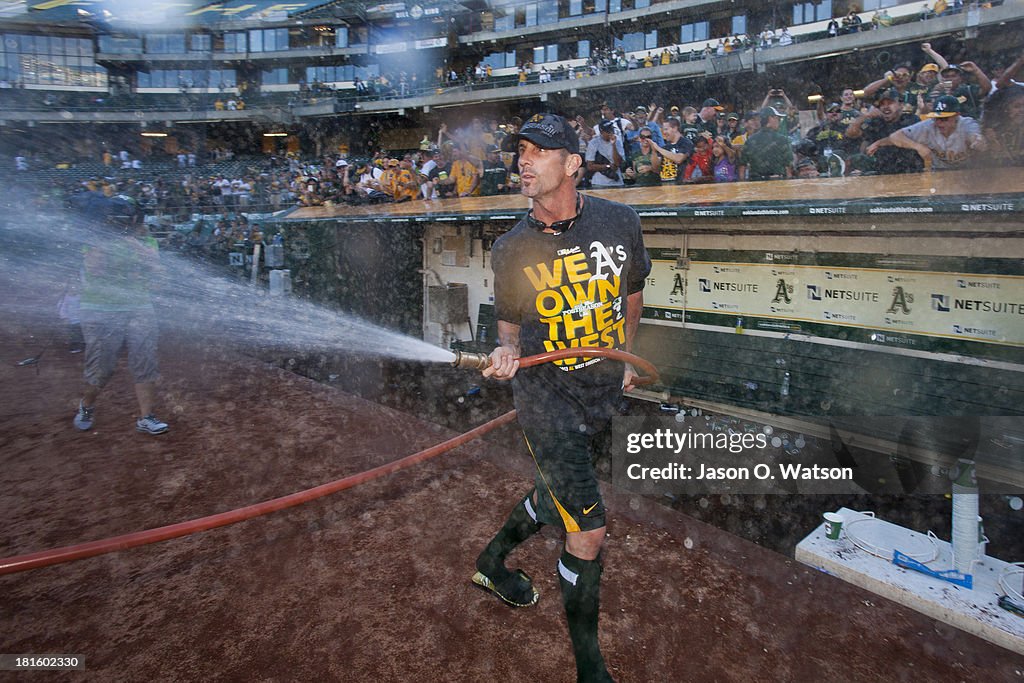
(471, 361)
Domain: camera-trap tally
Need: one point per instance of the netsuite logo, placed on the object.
(975, 331)
(707, 286)
(976, 284)
(940, 303)
(813, 293)
(831, 275)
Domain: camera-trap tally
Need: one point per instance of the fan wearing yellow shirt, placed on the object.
(465, 173)
(399, 181)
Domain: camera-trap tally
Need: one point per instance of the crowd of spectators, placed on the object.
(934, 115)
(399, 83)
(610, 59)
(937, 115)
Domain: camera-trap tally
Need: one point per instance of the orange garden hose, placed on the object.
(18, 563)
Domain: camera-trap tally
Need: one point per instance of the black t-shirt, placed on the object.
(832, 136)
(494, 174)
(709, 126)
(443, 189)
(570, 290)
(891, 159)
(671, 172)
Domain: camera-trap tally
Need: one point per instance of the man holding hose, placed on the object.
(570, 274)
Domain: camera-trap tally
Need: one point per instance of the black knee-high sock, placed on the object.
(520, 525)
(581, 595)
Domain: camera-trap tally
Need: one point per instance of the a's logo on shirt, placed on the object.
(603, 258)
(580, 300)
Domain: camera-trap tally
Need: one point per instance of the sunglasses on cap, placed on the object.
(558, 226)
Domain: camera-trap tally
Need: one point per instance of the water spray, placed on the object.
(19, 563)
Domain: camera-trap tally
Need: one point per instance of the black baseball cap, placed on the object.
(712, 102)
(952, 67)
(606, 127)
(835, 106)
(550, 131)
(888, 94)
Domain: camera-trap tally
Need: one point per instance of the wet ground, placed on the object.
(460, 400)
(372, 584)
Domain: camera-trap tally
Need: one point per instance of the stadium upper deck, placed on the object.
(400, 48)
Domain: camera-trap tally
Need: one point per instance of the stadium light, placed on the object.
(153, 135)
(275, 135)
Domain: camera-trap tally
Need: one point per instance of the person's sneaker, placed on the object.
(150, 424)
(515, 589)
(83, 418)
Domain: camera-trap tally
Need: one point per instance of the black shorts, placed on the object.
(567, 490)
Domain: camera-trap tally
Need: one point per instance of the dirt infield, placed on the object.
(372, 584)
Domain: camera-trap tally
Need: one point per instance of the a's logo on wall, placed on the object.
(782, 292)
(900, 302)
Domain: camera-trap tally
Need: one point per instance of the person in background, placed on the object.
(848, 106)
(952, 81)
(751, 124)
(698, 167)
(805, 159)
(493, 175)
(116, 309)
(690, 125)
(674, 153)
(707, 117)
(724, 161)
(944, 140)
(645, 166)
(464, 173)
(732, 126)
(881, 121)
(605, 157)
(428, 163)
(767, 153)
(830, 137)
(643, 117)
(1002, 123)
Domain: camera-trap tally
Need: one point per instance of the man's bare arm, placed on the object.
(634, 311)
